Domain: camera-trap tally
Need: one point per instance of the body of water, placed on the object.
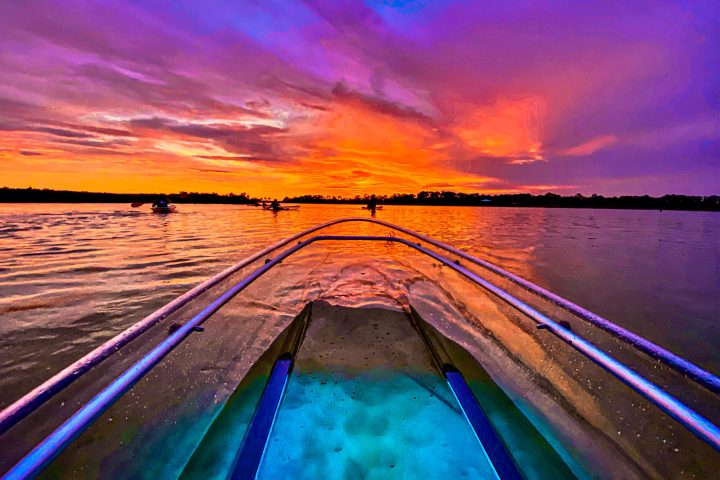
(74, 275)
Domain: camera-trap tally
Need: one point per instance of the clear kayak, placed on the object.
(360, 349)
(281, 207)
(363, 390)
(168, 209)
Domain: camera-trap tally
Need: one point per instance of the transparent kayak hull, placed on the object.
(543, 387)
(365, 397)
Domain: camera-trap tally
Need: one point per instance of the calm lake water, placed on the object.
(73, 275)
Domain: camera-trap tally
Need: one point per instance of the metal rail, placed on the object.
(692, 371)
(49, 388)
(33, 463)
(42, 393)
(46, 451)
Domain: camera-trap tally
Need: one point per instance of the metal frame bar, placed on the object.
(252, 451)
(56, 442)
(490, 442)
(42, 393)
(48, 449)
(697, 374)
(494, 448)
(49, 388)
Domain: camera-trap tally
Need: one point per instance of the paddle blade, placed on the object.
(137, 204)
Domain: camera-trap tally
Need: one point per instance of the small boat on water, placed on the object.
(281, 207)
(508, 381)
(379, 207)
(164, 209)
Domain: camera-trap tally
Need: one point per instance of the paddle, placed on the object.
(137, 204)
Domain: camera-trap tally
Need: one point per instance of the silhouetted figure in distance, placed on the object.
(161, 202)
(372, 204)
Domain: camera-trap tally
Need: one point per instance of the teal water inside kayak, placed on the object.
(365, 400)
(375, 425)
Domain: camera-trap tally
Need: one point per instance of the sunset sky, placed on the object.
(340, 97)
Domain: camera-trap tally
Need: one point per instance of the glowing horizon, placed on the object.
(345, 98)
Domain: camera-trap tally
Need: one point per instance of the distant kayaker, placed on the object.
(275, 205)
(161, 202)
(372, 203)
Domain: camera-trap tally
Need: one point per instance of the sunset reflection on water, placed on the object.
(74, 275)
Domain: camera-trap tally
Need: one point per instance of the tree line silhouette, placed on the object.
(443, 198)
(548, 200)
(45, 195)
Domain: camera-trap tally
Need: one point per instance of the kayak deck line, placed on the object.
(42, 393)
(492, 445)
(250, 456)
(487, 436)
(248, 459)
(48, 449)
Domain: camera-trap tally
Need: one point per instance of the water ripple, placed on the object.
(74, 275)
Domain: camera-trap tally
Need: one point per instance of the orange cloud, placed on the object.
(355, 148)
(356, 144)
(591, 146)
(507, 128)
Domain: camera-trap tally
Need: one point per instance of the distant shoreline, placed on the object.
(444, 199)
